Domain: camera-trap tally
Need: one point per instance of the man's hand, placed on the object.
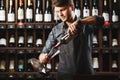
(43, 58)
(73, 28)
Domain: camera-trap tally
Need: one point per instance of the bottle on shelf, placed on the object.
(39, 11)
(3, 40)
(95, 60)
(114, 42)
(77, 8)
(115, 13)
(11, 11)
(12, 62)
(115, 60)
(115, 39)
(105, 37)
(11, 42)
(95, 42)
(30, 41)
(21, 40)
(20, 10)
(95, 8)
(56, 17)
(48, 11)
(39, 42)
(106, 60)
(114, 66)
(2, 63)
(106, 13)
(20, 63)
(2, 11)
(86, 9)
(29, 11)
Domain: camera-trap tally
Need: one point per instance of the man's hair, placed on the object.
(60, 3)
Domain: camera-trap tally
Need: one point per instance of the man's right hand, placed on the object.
(43, 58)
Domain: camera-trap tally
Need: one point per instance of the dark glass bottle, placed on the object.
(30, 41)
(21, 40)
(2, 11)
(94, 8)
(115, 13)
(86, 9)
(29, 11)
(2, 64)
(105, 13)
(20, 12)
(48, 11)
(77, 8)
(105, 37)
(20, 63)
(11, 11)
(39, 11)
(11, 42)
(3, 40)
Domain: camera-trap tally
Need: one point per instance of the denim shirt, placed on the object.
(75, 56)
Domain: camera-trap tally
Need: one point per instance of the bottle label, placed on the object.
(3, 41)
(20, 14)
(47, 18)
(21, 39)
(2, 15)
(39, 42)
(86, 12)
(30, 39)
(11, 64)
(95, 62)
(94, 12)
(77, 12)
(38, 17)
(106, 16)
(12, 40)
(29, 13)
(11, 17)
(114, 18)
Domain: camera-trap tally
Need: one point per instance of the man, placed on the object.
(75, 56)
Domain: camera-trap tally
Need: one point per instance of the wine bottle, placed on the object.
(56, 17)
(11, 42)
(114, 42)
(105, 13)
(2, 11)
(106, 60)
(29, 11)
(21, 41)
(94, 8)
(20, 12)
(95, 63)
(3, 40)
(95, 41)
(20, 65)
(11, 11)
(86, 9)
(38, 42)
(30, 41)
(39, 11)
(48, 12)
(2, 65)
(12, 65)
(114, 66)
(105, 39)
(77, 8)
(115, 13)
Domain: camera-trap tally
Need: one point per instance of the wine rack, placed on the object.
(22, 39)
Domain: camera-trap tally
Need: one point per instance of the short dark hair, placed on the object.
(60, 3)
